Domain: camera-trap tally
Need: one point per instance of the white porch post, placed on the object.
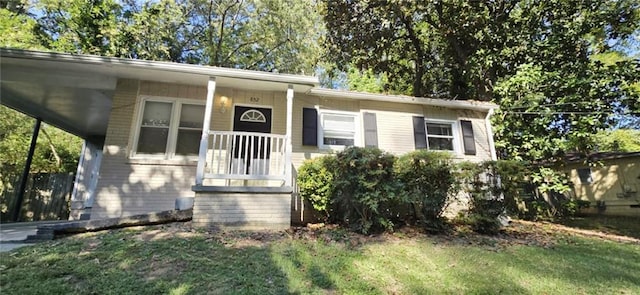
(288, 148)
(206, 126)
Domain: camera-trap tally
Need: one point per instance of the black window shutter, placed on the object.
(419, 133)
(370, 130)
(309, 126)
(467, 137)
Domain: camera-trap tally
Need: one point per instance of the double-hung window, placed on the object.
(338, 129)
(169, 127)
(441, 135)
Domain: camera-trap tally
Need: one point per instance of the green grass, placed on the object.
(618, 225)
(176, 260)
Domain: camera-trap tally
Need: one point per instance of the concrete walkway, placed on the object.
(12, 235)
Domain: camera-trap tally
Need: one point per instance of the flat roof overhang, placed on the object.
(74, 92)
(437, 102)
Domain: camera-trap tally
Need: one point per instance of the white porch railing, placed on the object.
(235, 155)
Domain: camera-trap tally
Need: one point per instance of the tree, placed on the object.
(79, 26)
(544, 114)
(19, 30)
(268, 35)
(56, 151)
(534, 58)
(620, 140)
(152, 31)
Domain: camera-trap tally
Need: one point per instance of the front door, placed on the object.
(251, 153)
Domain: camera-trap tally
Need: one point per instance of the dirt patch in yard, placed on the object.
(539, 234)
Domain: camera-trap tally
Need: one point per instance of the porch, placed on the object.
(126, 167)
(244, 176)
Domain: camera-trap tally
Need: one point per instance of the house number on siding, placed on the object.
(254, 99)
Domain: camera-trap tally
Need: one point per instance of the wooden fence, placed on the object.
(46, 197)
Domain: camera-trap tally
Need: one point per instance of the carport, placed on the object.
(74, 93)
(75, 97)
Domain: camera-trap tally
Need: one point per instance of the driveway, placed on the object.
(12, 235)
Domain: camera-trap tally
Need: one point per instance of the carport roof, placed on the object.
(74, 92)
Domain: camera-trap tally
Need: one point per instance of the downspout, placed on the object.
(492, 145)
(25, 172)
(503, 218)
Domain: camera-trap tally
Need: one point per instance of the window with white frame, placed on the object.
(169, 127)
(441, 135)
(338, 129)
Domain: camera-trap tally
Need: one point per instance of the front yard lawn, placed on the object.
(529, 258)
(618, 225)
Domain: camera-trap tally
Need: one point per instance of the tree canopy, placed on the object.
(268, 35)
(560, 70)
(555, 68)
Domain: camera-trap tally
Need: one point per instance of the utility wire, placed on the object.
(566, 113)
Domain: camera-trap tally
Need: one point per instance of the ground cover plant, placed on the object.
(525, 258)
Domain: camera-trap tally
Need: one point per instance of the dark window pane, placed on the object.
(439, 129)
(445, 144)
(191, 115)
(152, 140)
(156, 113)
(585, 175)
(338, 141)
(188, 142)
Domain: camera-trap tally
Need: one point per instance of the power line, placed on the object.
(567, 113)
(553, 104)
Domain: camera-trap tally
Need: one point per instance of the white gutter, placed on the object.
(492, 145)
(458, 104)
(114, 63)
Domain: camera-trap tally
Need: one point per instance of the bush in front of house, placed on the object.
(427, 184)
(364, 189)
(482, 185)
(315, 184)
(368, 190)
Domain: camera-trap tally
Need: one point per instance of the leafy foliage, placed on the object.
(56, 151)
(556, 68)
(18, 31)
(364, 188)
(268, 35)
(620, 140)
(315, 181)
(462, 48)
(428, 182)
(544, 111)
(486, 203)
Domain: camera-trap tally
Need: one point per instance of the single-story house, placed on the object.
(228, 140)
(609, 181)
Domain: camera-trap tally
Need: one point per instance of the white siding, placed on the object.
(126, 186)
(134, 186)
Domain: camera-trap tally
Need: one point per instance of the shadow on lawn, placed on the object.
(577, 262)
(618, 225)
(137, 262)
(178, 260)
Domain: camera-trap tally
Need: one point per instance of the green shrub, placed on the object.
(364, 189)
(315, 183)
(484, 215)
(427, 183)
(484, 191)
